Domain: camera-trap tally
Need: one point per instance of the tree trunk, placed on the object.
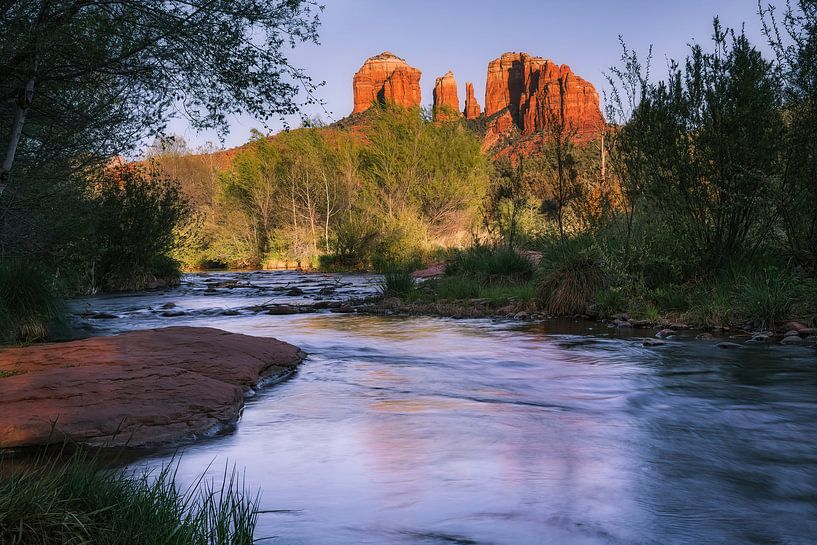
(23, 105)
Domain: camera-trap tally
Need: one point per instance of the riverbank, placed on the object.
(142, 388)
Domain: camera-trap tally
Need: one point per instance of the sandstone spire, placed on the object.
(472, 109)
(446, 100)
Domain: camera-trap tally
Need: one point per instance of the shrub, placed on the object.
(29, 303)
(397, 283)
(76, 501)
(138, 212)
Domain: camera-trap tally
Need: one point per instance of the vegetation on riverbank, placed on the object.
(53, 501)
(706, 208)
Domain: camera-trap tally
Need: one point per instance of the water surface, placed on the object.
(436, 431)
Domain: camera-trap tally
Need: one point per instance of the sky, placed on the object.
(440, 35)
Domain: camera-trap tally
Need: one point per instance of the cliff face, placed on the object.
(472, 109)
(386, 78)
(446, 100)
(535, 93)
(525, 97)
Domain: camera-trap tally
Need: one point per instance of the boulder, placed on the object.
(142, 388)
(386, 78)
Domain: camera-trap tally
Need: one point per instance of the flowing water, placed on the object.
(436, 431)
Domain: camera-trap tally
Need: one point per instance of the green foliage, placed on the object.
(397, 283)
(752, 292)
(708, 138)
(490, 264)
(137, 214)
(29, 303)
(456, 288)
(373, 201)
(76, 501)
(610, 301)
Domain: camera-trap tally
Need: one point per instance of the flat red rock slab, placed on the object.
(141, 388)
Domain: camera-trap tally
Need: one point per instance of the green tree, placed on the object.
(86, 78)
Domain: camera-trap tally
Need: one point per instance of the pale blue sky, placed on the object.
(440, 35)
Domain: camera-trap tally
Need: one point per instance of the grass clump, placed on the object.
(573, 276)
(397, 283)
(491, 265)
(77, 501)
(29, 303)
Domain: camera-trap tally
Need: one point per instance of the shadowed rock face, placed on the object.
(536, 93)
(386, 78)
(446, 100)
(140, 388)
(472, 108)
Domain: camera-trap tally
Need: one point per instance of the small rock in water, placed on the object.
(327, 291)
(664, 333)
(279, 310)
(230, 312)
(792, 339)
(293, 292)
(728, 345)
(521, 316)
(103, 316)
(760, 338)
(678, 325)
(705, 337)
(173, 313)
(796, 326)
(792, 333)
(808, 332)
(654, 342)
(168, 306)
(641, 323)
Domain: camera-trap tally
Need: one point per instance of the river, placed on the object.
(439, 431)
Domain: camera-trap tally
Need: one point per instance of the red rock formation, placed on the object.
(446, 100)
(472, 109)
(141, 388)
(386, 78)
(536, 93)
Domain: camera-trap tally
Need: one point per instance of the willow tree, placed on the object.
(91, 78)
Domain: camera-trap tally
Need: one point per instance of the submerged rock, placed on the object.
(728, 345)
(653, 342)
(138, 389)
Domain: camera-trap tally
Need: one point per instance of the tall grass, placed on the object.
(29, 303)
(490, 265)
(397, 283)
(573, 276)
(77, 501)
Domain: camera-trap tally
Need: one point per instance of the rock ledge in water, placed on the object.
(141, 388)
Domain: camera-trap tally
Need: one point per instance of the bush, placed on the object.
(53, 502)
(397, 283)
(138, 212)
(29, 303)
